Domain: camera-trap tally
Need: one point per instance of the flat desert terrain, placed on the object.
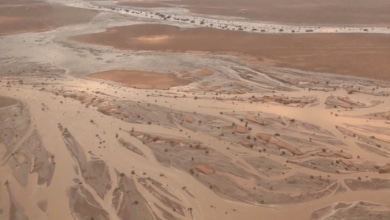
(374, 12)
(26, 16)
(351, 54)
(182, 110)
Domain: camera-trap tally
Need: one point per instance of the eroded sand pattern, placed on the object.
(110, 115)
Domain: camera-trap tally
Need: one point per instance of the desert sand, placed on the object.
(358, 55)
(291, 11)
(4, 102)
(26, 16)
(129, 117)
(141, 80)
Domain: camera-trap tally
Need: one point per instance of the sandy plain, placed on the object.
(26, 16)
(212, 134)
(141, 80)
(351, 54)
(348, 12)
